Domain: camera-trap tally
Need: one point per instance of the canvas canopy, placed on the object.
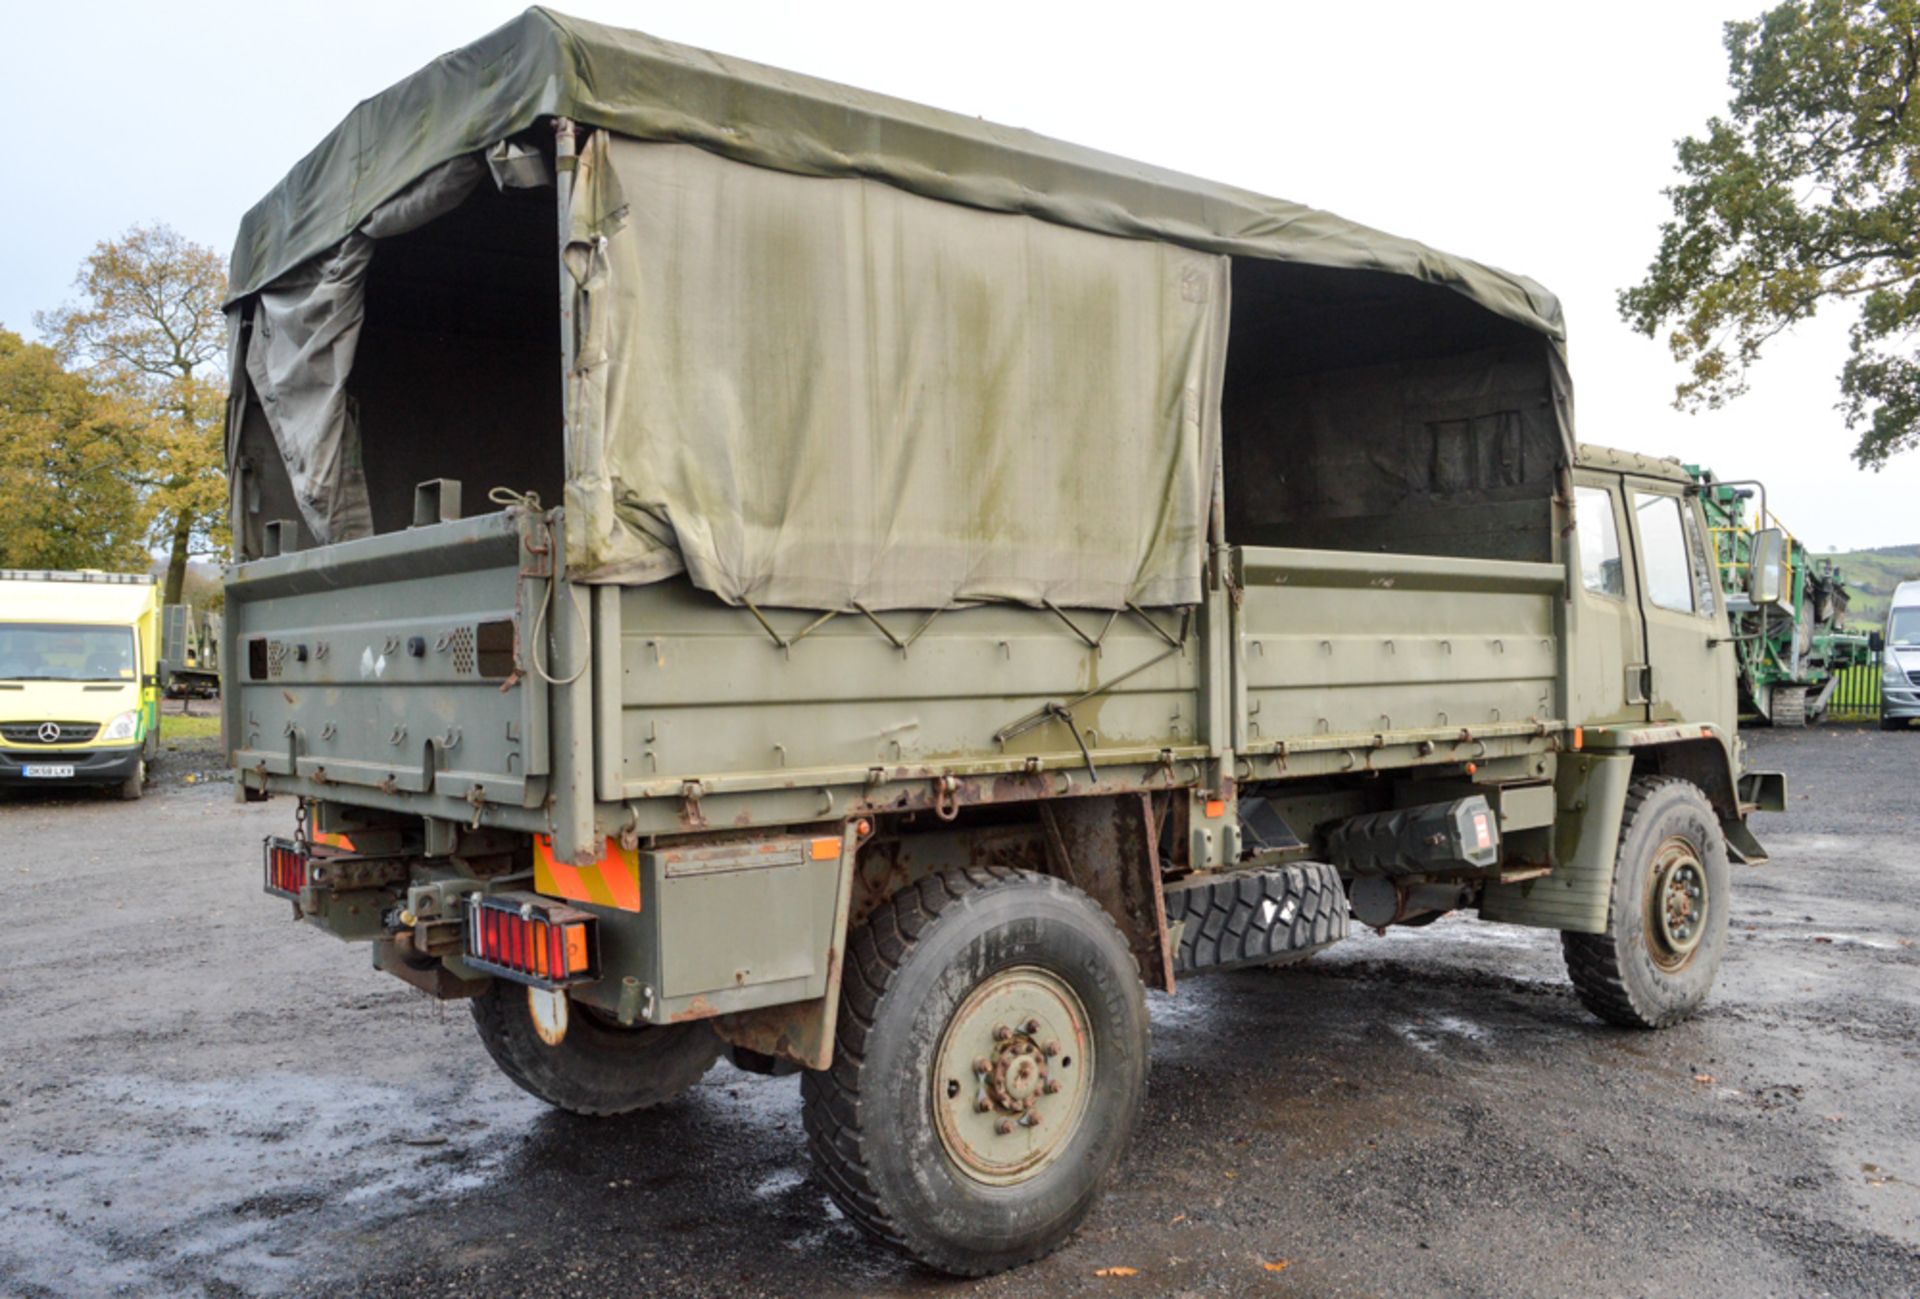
(900, 358)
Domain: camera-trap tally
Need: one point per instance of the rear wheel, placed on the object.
(990, 1059)
(1668, 926)
(578, 1059)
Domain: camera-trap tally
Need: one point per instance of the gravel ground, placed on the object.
(197, 1097)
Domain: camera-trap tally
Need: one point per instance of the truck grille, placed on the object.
(1914, 677)
(49, 732)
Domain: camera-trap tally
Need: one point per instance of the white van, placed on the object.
(1900, 668)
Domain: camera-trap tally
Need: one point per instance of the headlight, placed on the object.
(123, 727)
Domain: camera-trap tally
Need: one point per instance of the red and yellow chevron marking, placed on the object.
(613, 881)
(339, 841)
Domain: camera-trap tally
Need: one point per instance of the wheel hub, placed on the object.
(1676, 904)
(1013, 1076)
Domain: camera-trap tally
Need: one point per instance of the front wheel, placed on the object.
(577, 1059)
(990, 1059)
(1668, 924)
(135, 785)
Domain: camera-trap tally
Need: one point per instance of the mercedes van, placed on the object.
(1900, 664)
(79, 679)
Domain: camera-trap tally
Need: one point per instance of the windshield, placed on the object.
(1904, 627)
(57, 652)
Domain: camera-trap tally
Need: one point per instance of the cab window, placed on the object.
(1599, 542)
(1663, 545)
(1706, 574)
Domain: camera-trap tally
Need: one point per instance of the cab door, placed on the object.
(1689, 660)
(1607, 666)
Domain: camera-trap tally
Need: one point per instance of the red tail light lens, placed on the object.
(286, 868)
(532, 939)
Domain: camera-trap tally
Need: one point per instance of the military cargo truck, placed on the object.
(733, 563)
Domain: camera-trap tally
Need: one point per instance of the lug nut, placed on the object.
(1052, 1088)
(1033, 1026)
(1003, 1127)
(1002, 1033)
(1052, 1049)
(982, 1065)
(1030, 1120)
(983, 1105)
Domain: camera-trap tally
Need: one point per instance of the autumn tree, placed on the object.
(1807, 193)
(65, 501)
(149, 327)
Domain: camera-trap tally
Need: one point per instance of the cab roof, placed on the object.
(1592, 456)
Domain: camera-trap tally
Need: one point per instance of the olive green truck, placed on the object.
(730, 563)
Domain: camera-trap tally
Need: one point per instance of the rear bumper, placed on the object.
(107, 766)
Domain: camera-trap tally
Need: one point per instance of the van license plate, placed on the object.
(49, 772)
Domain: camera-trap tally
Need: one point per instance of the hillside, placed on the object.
(1871, 576)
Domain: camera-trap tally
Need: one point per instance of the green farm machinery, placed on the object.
(1790, 657)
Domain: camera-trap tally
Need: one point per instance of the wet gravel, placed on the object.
(198, 1097)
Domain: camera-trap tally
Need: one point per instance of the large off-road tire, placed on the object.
(597, 1067)
(1019, 973)
(133, 786)
(1668, 924)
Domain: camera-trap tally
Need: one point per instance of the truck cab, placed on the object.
(79, 697)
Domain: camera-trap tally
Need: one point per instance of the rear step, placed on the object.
(1252, 917)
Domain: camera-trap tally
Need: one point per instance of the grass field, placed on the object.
(177, 726)
(1871, 576)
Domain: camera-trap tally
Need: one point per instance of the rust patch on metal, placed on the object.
(698, 1008)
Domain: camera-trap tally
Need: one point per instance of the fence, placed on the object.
(1856, 694)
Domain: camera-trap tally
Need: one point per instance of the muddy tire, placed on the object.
(597, 1067)
(130, 789)
(1667, 929)
(920, 1145)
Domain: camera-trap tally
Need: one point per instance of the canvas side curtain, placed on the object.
(830, 393)
(299, 354)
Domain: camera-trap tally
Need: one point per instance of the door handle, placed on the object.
(1639, 683)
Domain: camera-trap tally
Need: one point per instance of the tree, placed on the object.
(150, 328)
(1807, 192)
(64, 500)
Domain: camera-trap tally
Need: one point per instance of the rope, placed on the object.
(530, 502)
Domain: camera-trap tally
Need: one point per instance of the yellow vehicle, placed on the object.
(79, 679)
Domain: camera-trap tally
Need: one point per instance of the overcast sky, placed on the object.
(1533, 136)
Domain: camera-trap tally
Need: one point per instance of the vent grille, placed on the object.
(461, 644)
(61, 733)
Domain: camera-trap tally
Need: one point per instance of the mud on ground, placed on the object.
(199, 1097)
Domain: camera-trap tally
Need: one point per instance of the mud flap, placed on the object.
(1591, 795)
(1741, 844)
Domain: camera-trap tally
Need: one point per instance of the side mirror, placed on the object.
(1767, 567)
(1876, 642)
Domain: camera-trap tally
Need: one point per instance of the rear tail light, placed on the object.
(532, 939)
(286, 868)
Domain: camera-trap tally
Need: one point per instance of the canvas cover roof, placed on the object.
(545, 64)
(835, 350)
